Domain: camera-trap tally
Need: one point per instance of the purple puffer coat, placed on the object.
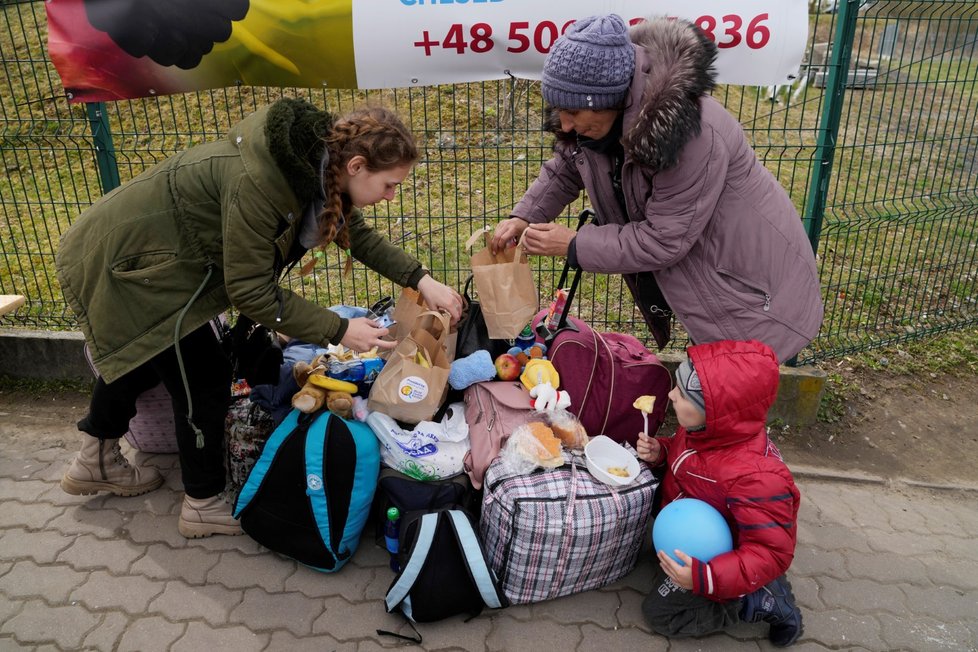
(714, 226)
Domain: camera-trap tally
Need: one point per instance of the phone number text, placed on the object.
(728, 31)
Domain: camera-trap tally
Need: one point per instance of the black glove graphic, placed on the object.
(170, 32)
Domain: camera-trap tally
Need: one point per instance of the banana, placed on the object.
(421, 357)
(333, 384)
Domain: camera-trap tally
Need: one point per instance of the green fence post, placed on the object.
(828, 132)
(108, 167)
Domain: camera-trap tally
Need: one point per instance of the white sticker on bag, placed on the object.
(412, 389)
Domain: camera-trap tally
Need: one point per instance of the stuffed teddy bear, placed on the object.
(318, 389)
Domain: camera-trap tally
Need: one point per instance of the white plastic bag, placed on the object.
(431, 451)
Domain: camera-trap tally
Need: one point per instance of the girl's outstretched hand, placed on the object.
(441, 297)
(363, 334)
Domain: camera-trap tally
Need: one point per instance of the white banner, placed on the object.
(403, 43)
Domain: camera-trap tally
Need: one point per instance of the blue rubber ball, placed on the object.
(693, 526)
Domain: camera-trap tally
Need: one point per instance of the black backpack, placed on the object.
(308, 496)
(395, 489)
(444, 571)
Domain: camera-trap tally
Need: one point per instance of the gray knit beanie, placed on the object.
(689, 385)
(590, 66)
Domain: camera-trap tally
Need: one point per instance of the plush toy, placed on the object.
(318, 389)
(539, 370)
(545, 397)
(523, 354)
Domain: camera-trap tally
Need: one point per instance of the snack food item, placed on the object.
(545, 435)
(619, 471)
(568, 429)
(645, 404)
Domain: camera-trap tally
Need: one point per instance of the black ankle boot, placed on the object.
(774, 604)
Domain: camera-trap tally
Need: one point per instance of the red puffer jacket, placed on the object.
(733, 466)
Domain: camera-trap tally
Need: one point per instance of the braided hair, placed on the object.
(376, 134)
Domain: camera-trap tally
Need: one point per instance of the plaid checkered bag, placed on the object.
(560, 531)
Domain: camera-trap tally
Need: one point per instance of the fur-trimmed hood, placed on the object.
(295, 130)
(673, 69)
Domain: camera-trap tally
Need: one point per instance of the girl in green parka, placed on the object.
(149, 265)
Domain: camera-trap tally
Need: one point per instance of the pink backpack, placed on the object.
(493, 410)
(152, 429)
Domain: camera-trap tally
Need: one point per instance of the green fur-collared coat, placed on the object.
(209, 228)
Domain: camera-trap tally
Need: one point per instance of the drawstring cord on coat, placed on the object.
(183, 371)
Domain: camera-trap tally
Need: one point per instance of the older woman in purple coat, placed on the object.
(697, 226)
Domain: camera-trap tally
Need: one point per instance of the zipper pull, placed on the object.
(767, 302)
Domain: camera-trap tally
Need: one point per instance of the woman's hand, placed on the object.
(548, 239)
(681, 575)
(507, 232)
(441, 297)
(363, 334)
(648, 448)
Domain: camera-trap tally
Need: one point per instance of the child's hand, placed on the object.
(681, 575)
(648, 448)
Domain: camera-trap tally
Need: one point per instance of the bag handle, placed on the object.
(484, 233)
(585, 215)
(478, 233)
(437, 314)
(518, 254)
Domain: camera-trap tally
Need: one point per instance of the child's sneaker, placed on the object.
(774, 604)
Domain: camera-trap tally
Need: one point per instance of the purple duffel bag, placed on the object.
(604, 373)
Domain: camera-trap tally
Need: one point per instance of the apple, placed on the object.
(508, 367)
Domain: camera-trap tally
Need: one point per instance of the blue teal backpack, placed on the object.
(309, 494)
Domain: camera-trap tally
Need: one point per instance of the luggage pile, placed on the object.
(495, 460)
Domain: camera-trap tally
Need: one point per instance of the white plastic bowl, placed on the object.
(603, 452)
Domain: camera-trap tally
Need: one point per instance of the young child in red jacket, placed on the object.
(721, 454)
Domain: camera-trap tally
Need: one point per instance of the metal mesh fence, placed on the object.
(874, 142)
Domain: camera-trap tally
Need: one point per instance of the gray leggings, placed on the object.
(675, 612)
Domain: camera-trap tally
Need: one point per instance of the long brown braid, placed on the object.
(379, 136)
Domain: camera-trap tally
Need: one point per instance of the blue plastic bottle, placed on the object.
(391, 536)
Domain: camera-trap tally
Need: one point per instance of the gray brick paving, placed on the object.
(150, 634)
(114, 555)
(107, 633)
(879, 566)
(237, 571)
(212, 603)
(52, 583)
(128, 593)
(161, 562)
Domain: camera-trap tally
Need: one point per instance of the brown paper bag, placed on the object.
(409, 306)
(505, 285)
(406, 389)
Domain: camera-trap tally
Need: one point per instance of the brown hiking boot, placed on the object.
(204, 517)
(101, 466)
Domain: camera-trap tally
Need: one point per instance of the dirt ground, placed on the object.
(918, 428)
(923, 429)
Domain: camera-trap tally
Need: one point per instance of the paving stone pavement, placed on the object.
(879, 566)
